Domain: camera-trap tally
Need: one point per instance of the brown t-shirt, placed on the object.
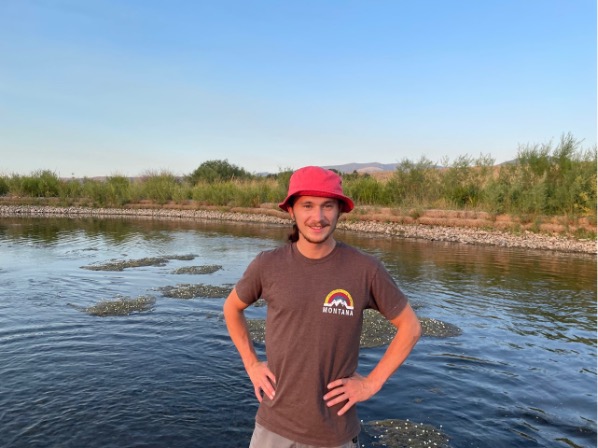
(313, 327)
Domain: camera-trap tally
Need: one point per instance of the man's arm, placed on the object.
(358, 388)
(261, 377)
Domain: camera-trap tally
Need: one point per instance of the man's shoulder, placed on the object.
(280, 251)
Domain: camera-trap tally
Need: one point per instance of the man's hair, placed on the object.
(294, 235)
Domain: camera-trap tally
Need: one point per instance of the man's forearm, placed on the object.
(238, 331)
(408, 333)
(264, 381)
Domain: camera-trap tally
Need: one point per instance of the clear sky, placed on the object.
(105, 87)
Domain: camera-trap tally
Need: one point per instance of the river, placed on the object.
(522, 373)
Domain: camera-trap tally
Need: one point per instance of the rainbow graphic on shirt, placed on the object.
(340, 302)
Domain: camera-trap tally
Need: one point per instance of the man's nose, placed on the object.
(320, 213)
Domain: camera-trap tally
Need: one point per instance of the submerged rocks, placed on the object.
(198, 270)
(438, 329)
(376, 331)
(394, 433)
(191, 291)
(120, 265)
(257, 330)
(120, 307)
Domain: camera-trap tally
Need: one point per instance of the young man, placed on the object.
(316, 289)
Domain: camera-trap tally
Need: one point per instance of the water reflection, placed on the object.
(522, 373)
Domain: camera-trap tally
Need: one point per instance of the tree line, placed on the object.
(546, 179)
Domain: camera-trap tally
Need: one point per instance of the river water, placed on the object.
(522, 373)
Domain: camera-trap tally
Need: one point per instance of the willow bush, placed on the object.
(118, 190)
(365, 190)
(71, 190)
(95, 193)
(415, 184)
(39, 184)
(462, 183)
(546, 180)
(4, 187)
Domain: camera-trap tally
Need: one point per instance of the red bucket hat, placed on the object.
(320, 182)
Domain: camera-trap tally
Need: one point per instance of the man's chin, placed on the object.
(317, 238)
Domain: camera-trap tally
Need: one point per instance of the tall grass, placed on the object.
(160, 187)
(236, 193)
(543, 180)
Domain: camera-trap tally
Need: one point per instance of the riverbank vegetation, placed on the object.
(543, 182)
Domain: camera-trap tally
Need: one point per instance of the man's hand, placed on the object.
(356, 388)
(263, 380)
(352, 390)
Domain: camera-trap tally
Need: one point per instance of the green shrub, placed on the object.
(71, 190)
(414, 183)
(464, 180)
(118, 190)
(217, 171)
(159, 187)
(4, 187)
(364, 189)
(40, 184)
(95, 191)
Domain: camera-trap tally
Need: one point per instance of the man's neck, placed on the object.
(315, 250)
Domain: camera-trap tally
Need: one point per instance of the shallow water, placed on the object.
(521, 374)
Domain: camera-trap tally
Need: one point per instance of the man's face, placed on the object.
(316, 217)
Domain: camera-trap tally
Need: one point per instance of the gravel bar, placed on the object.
(462, 235)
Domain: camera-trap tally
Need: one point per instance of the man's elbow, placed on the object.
(233, 306)
(409, 325)
(228, 308)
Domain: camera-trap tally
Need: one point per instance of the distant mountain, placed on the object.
(373, 167)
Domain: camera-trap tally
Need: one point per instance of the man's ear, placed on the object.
(291, 213)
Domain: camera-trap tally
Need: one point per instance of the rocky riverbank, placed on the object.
(431, 232)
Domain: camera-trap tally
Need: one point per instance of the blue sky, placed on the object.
(104, 87)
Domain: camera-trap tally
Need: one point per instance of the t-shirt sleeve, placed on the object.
(249, 287)
(387, 298)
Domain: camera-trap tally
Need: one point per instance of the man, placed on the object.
(316, 289)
